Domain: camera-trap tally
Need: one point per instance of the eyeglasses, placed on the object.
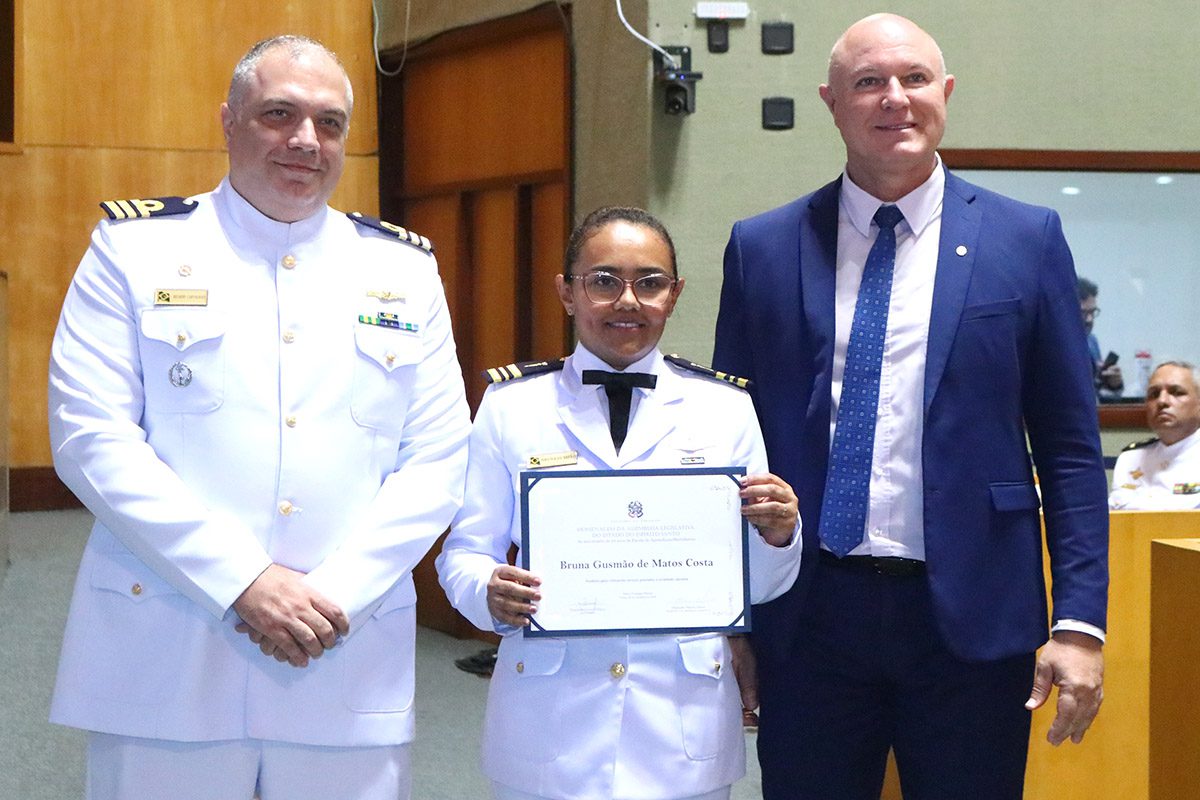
(1090, 313)
(604, 287)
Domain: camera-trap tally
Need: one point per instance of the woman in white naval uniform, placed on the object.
(630, 717)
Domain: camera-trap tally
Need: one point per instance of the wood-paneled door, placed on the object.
(474, 138)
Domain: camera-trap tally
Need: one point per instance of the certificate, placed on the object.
(636, 551)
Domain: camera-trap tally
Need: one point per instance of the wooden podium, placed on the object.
(1174, 669)
(1113, 762)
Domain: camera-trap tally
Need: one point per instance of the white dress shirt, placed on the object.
(895, 514)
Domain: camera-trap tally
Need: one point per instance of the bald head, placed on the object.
(887, 92)
(880, 27)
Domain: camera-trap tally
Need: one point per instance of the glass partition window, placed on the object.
(1136, 235)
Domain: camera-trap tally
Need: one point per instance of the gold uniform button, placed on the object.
(291, 422)
(181, 337)
(617, 670)
(286, 508)
(717, 668)
(289, 337)
(288, 261)
(391, 358)
(520, 666)
(136, 589)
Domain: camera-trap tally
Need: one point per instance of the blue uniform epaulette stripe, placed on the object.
(692, 366)
(394, 231)
(523, 369)
(152, 207)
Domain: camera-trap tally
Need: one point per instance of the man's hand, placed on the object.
(772, 506)
(293, 621)
(1074, 662)
(511, 595)
(745, 670)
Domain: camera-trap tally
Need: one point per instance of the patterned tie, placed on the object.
(619, 388)
(848, 483)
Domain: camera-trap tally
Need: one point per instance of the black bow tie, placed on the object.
(627, 380)
(619, 388)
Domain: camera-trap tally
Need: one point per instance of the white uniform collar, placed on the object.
(261, 229)
(918, 206)
(1183, 445)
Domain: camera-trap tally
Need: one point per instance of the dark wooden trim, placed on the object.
(1099, 160)
(8, 71)
(1123, 415)
(486, 184)
(38, 489)
(523, 272)
(476, 34)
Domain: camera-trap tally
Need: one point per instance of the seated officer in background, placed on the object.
(1163, 473)
(258, 397)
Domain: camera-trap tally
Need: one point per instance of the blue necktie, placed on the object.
(848, 482)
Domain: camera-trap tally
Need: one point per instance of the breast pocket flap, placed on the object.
(993, 309)
(388, 347)
(181, 328)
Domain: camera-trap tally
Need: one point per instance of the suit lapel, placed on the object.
(818, 282)
(961, 219)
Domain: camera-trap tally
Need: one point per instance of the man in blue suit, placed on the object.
(917, 630)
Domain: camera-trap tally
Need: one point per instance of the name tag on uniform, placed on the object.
(691, 460)
(181, 297)
(563, 459)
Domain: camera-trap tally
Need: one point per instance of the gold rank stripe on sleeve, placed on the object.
(692, 366)
(521, 370)
(143, 209)
(394, 231)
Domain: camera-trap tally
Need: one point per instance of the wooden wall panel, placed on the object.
(440, 219)
(473, 133)
(494, 322)
(151, 74)
(550, 330)
(107, 108)
(49, 201)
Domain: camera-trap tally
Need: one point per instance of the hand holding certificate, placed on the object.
(636, 551)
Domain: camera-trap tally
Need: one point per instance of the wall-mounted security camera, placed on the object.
(678, 81)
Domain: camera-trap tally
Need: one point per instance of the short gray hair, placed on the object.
(1189, 366)
(296, 46)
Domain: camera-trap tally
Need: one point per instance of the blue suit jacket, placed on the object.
(1007, 361)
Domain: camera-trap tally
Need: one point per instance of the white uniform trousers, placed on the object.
(501, 792)
(129, 768)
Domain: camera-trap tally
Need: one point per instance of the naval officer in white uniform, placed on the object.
(259, 399)
(618, 716)
(1163, 473)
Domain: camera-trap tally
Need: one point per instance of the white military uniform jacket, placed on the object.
(644, 716)
(1152, 476)
(216, 402)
